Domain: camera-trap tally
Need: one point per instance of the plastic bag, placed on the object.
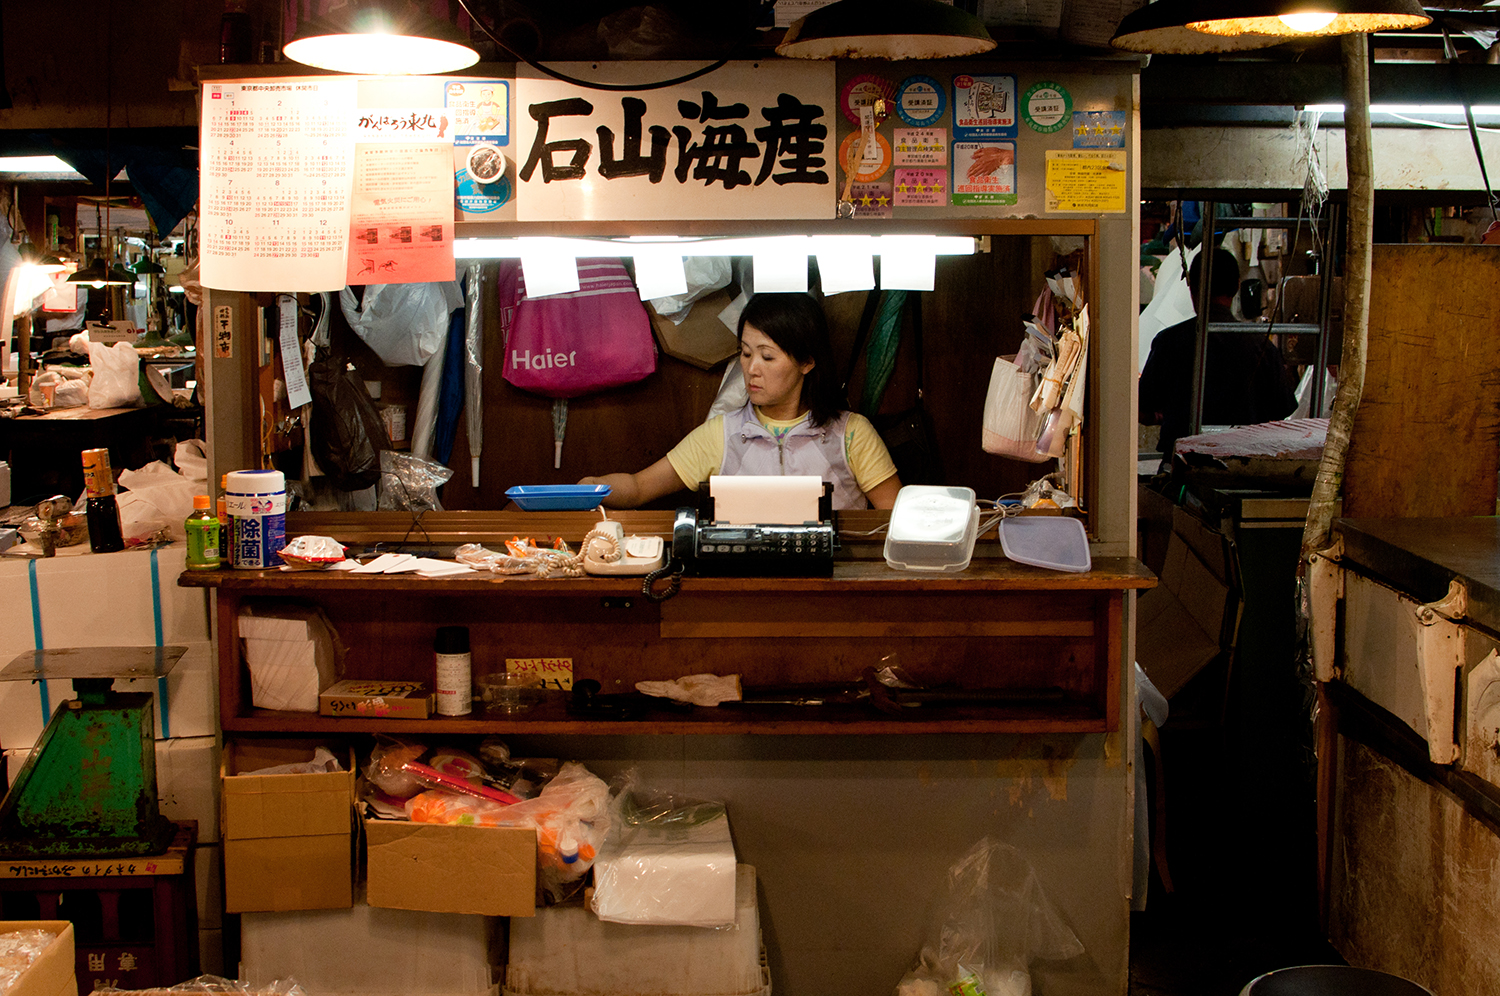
(117, 376)
(347, 433)
(1011, 428)
(404, 323)
(992, 921)
(409, 482)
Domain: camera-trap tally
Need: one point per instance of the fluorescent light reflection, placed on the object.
(1480, 111)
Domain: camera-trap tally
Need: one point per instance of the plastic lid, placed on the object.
(1050, 541)
(452, 640)
(200, 501)
(255, 482)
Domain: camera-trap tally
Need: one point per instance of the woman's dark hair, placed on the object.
(797, 325)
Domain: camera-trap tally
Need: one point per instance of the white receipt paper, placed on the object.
(767, 501)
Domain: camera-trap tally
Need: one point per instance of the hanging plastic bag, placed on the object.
(409, 482)
(117, 376)
(990, 924)
(347, 433)
(1011, 428)
(405, 324)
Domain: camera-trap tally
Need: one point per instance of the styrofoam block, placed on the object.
(211, 951)
(370, 951)
(100, 601)
(567, 951)
(187, 782)
(207, 862)
(192, 694)
(670, 875)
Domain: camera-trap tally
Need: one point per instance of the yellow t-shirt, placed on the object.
(701, 452)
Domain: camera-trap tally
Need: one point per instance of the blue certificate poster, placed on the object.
(984, 108)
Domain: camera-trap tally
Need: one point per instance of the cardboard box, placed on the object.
(490, 871)
(360, 697)
(1193, 614)
(287, 838)
(52, 973)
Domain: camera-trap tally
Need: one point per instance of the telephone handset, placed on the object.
(607, 550)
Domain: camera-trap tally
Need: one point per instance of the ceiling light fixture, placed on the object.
(1310, 18)
(380, 38)
(1162, 28)
(885, 29)
(1203, 27)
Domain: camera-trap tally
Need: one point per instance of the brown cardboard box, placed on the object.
(52, 974)
(287, 838)
(701, 339)
(449, 869)
(1192, 615)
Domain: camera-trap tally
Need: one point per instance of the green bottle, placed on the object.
(202, 537)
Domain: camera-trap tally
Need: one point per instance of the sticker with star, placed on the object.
(921, 147)
(872, 200)
(1098, 129)
(921, 187)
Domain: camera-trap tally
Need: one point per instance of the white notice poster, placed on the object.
(276, 161)
(750, 140)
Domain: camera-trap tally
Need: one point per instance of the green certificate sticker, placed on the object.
(1046, 107)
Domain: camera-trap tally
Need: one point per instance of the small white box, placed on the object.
(566, 951)
(668, 875)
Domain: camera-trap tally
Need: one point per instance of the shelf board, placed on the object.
(552, 718)
(863, 576)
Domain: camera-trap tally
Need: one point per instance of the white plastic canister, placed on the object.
(256, 503)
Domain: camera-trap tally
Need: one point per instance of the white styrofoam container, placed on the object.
(370, 951)
(668, 876)
(106, 601)
(567, 951)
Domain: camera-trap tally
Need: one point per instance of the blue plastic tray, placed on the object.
(558, 497)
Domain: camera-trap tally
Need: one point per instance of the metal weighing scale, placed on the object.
(89, 786)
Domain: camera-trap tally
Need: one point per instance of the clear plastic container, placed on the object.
(933, 528)
(1051, 541)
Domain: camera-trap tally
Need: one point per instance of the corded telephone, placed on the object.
(607, 550)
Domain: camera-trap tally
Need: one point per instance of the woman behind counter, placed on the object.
(794, 422)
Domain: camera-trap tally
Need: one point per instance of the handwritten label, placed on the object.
(555, 672)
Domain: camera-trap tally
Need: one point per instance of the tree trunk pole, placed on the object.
(1328, 486)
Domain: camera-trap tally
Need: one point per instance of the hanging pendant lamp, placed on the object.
(100, 274)
(1203, 27)
(885, 29)
(1309, 18)
(380, 38)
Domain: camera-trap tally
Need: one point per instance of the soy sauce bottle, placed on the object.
(105, 535)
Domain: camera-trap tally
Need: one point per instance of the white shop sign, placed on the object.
(745, 141)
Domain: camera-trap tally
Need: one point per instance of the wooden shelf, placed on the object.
(997, 626)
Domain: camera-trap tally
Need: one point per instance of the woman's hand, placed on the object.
(634, 490)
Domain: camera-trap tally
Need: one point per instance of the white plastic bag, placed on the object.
(404, 323)
(992, 921)
(117, 376)
(1011, 428)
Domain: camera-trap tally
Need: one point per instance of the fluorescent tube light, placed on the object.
(937, 245)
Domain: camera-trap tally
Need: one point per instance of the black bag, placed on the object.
(347, 432)
(908, 435)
